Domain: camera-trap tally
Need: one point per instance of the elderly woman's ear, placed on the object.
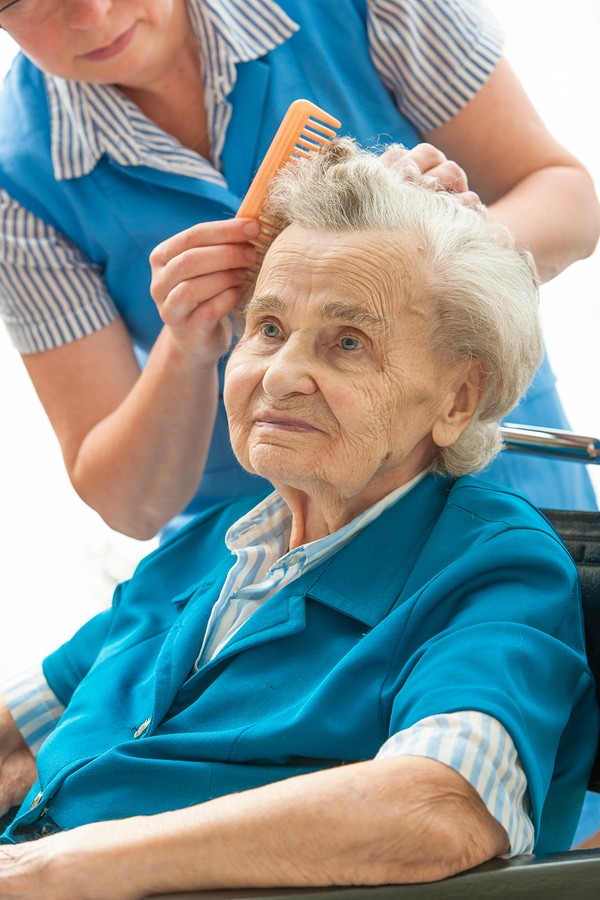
(463, 396)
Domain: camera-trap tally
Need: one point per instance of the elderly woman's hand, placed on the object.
(197, 279)
(84, 862)
(434, 165)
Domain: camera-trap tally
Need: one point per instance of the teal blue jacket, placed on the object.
(458, 597)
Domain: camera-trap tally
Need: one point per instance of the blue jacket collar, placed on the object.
(366, 590)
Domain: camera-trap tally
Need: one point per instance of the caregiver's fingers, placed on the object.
(433, 164)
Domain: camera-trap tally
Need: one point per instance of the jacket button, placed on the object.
(142, 728)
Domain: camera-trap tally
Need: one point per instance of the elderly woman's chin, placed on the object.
(281, 464)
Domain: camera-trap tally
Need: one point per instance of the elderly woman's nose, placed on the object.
(290, 371)
(86, 13)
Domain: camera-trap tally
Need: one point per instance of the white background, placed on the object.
(59, 562)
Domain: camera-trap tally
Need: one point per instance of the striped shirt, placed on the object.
(472, 743)
(433, 55)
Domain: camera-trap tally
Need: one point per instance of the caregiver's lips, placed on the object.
(111, 49)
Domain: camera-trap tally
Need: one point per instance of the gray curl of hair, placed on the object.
(482, 290)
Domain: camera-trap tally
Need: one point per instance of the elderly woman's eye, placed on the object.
(350, 343)
(270, 330)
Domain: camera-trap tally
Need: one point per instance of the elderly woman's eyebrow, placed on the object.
(267, 303)
(352, 314)
(336, 310)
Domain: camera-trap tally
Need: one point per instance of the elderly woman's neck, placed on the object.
(316, 516)
(320, 508)
(308, 525)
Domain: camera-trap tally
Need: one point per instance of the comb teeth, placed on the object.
(271, 227)
(304, 130)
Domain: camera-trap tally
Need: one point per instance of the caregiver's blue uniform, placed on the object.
(328, 61)
(458, 597)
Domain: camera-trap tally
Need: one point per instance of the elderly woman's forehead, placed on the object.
(362, 278)
(369, 254)
(299, 234)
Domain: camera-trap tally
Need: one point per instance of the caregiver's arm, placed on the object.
(529, 182)
(135, 445)
(405, 819)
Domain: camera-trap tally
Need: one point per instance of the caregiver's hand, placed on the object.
(197, 279)
(436, 165)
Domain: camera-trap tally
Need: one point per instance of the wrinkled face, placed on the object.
(124, 42)
(333, 382)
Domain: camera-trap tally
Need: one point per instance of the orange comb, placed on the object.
(305, 128)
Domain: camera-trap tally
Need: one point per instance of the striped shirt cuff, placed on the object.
(33, 706)
(480, 749)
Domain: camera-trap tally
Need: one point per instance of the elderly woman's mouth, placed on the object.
(281, 422)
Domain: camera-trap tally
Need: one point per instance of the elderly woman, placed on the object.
(375, 673)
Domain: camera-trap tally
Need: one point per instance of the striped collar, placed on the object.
(263, 563)
(88, 120)
(270, 524)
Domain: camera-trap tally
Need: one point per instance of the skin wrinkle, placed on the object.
(336, 430)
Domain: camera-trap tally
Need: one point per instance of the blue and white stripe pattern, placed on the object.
(432, 54)
(91, 119)
(231, 32)
(34, 707)
(49, 293)
(482, 751)
(88, 120)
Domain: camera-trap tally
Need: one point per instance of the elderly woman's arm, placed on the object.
(405, 819)
(17, 765)
(529, 181)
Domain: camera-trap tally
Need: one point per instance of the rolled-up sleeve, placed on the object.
(33, 705)
(50, 293)
(480, 749)
(433, 55)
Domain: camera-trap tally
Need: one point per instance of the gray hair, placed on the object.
(482, 290)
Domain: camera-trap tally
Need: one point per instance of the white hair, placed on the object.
(482, 290)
